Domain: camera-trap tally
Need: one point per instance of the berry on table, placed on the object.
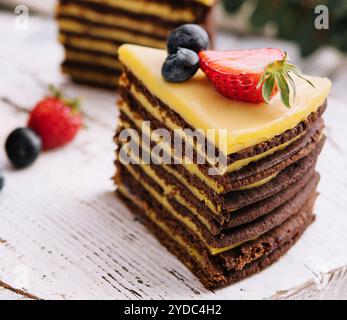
(2, 180)
(56, 120)
(23, 146)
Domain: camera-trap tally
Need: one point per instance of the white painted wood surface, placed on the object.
(64, 235)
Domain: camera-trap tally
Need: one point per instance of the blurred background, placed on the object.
(269, 23)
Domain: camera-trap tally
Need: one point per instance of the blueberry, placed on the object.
(2, 180)
(188, 36)
(180, 66)
(23, 147)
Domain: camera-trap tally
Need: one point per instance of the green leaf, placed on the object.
(267, 88)
(292, 84)
(54, 91)
(283, 88)
(303, 78)
(262, 79)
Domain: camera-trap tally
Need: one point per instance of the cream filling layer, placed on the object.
(201, 106)
(81, 42)
(158, 9)
(111, 34)
(93, 59)
(186, 221)
(111, 19)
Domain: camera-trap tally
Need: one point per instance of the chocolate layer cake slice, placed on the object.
(226, 226)
(91, 31)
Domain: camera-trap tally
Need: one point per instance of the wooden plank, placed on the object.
(65, 235)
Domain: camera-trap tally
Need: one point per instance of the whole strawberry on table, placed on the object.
(54, 122)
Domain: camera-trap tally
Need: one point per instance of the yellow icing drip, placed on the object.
(201, 106)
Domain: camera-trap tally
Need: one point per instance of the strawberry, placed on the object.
(253, 76)
(56, 120)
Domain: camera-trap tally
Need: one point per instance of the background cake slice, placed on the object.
(229, 226)
(92, 31)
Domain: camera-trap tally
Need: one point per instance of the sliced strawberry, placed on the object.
(253, 76)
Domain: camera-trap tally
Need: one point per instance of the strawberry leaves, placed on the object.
(268, 88)
(74, 104)
(283, 88)
(279, 74)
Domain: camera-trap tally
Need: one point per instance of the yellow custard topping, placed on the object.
(202, 107)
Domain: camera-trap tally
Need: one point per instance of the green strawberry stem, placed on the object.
(74, 104)
(279, 74)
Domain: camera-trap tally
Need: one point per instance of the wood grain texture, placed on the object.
(65, 235)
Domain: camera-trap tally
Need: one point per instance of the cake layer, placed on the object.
(99, 15)
(91, 75)
(104, 32)
(222, 205)
(288, 176)
(218, 222)
(251, 212)
(240, 173)
(89, 44)
(238, 125)
(92, 58)
(226, 239)
(172, 11)
(217, 271)
(207, 203)
(269, 167)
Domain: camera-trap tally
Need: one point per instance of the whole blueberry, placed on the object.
(188, 36)
(180, 66)
(23, 146)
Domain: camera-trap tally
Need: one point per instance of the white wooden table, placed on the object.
(64, 235)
